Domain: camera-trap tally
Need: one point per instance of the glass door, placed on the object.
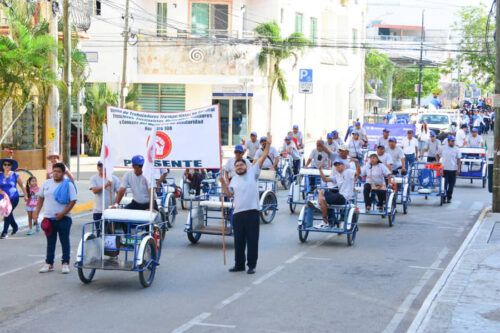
(234, 120)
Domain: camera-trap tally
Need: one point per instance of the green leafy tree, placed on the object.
(378, 72)
(97, 99)
(275, 50)
(405, 79)
(473, 47)
(25, 72)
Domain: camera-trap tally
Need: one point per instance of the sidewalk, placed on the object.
(467, 297)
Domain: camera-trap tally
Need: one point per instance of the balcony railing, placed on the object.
(203, 33)
(397, 38)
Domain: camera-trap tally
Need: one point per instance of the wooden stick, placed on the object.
(223, 227)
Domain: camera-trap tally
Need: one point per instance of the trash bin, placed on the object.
(490, 175)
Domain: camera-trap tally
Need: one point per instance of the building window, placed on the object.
(94, 7)
(354, 41)
(209, 20)
(161, 19)
(298, 22)
(313, 30)
(282, 15)
(234, 120)
(161, 97)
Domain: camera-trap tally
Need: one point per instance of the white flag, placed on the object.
(149, 157)
(106, 158)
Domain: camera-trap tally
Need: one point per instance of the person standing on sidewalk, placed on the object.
(450, 156)
(57, 197)
(9, 180)
(244, 188)
(110, 188)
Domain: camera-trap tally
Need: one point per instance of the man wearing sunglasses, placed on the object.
(229, 168)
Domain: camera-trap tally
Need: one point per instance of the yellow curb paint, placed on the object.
(82, 207)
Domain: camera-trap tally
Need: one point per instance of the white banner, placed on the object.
(189, 139)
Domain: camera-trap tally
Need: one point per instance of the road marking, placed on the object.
(422, 267)
(193, 322)
(232, 298)
(406, 305)
(21, 268)
(216, 325)
(316, 258)
(37, 255)
(295, 257)
(269, 274)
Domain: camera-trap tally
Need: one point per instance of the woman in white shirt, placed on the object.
(423, 138)
(375, 172)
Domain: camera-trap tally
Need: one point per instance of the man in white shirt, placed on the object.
(375, 173)
(461, 137)
(330, 143)
(410, 149)
(272, 156)
(476, 140)
(432, 147)
(239, 151)
(251, 146)
(450, 158)
(298, 135)
(318, 156)
(139, 186)
(290, 150)
(341, 177)
(355, 146)
(384, 157)
(397, 156)
(244, 189)
(337, 139)
(362, 133)
(384, 139)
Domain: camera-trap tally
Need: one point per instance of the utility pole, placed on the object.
(52, 124)
(126, 35)
(421, 65)
(67, 80)
(496, 104)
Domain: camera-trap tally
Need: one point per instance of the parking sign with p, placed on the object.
(306, 81)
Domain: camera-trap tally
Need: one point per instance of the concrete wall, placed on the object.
(198, 95)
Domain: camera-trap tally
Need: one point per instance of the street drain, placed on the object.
(495, 234)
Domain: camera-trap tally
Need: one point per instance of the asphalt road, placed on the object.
(321, 286)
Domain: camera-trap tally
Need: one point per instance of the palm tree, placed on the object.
(97, 99)
(25, 73)
(275, 49)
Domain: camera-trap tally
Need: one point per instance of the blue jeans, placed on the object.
(409, 160)
(9, 220)
(61, 228)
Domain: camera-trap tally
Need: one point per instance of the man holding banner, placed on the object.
(244, 190)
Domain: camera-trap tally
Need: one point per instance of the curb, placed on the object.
(422, 314)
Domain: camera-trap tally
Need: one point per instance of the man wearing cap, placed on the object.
(375, 172)
(332, 145)
(397, 156)
(476, 140)
(450, 158)
(432, 147)
(244, 190)
(384, 139)
(355, 146)
(410, 149)
(100, 186)
(290, 149)
(271, 157)
(362, 133)
(343, 179)
(251, 146)
(384, 157)
(337, 139)
(239, 151)
(139, 186)
(298, 135)
(342, 154)
(461, 137)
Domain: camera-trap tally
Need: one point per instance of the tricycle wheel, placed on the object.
(405, 207)
(351, 238)
(171, 212)
(193, 237)
(86, 275)
(148, 266)
(484, 182)
(287, 180)
(183, 204)
(292, 207)
(270, 205)
(391, 218)
(441, 202)
(303, 235)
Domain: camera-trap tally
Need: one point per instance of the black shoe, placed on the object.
(251, 270)
(449, 200)
(14, 232)
(3, 236)
(237, 269)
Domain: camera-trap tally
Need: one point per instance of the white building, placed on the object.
(186, 54)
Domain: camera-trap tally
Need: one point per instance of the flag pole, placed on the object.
(223, 217)
(152, 154)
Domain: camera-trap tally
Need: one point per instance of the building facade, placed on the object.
(186, 54)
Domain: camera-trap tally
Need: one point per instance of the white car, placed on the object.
(440, 123)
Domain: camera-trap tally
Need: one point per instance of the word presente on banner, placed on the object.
(189, 139)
